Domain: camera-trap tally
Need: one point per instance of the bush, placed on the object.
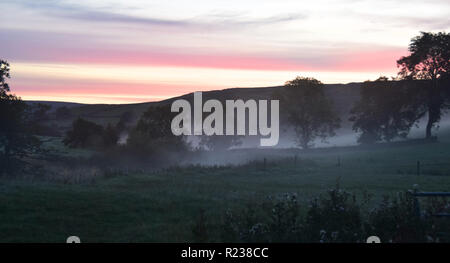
(335, 217)
(397, 220)
(276, 220)
(87, 134)
(152, 137)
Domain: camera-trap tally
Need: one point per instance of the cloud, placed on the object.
(219, 20)
(337, 41)
(78, 12)
(239, 19)
(59, 48)
(98, 16)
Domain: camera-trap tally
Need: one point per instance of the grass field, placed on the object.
(162, 206)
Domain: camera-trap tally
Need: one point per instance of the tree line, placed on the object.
(387, 109)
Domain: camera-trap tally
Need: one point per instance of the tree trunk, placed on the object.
(434, 107)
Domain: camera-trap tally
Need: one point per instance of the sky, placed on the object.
(134, 51)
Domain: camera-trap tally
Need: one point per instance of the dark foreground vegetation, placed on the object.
(167, 205)
(333, 216)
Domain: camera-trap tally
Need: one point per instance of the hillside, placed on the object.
(343, 96)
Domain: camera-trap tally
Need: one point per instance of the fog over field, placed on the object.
(233, 122)
(343, 96)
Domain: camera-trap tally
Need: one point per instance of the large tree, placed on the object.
(429, 60)
(386, 110)
(308, 110)
(16, 140)
(84, 134)
(87, 134)
(153, 132)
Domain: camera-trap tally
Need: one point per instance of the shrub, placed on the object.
(334, 217)
(397, 220)
(153, 137)
(87, 134)
(337, 216)
(276, 220)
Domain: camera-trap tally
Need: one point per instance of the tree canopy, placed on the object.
(308, 110)
(16, 139)
(429, 60)
(87, 134)
(386, 110)
(153, 132)
(429, 57)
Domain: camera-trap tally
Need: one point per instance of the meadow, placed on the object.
(163, 205)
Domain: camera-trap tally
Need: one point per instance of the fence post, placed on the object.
(295, 160)
(339, 161)
(264, 164)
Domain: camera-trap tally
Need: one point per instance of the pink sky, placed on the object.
(134, 51)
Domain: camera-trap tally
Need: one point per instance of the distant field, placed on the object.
(162, 206)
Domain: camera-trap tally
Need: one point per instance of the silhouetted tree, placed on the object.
(386, 110)
(110, 136)
(153, 132)
(308, 110)
(16, 139)
(4, 74)
(84, 133)
(429, 60)
(87, 134)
